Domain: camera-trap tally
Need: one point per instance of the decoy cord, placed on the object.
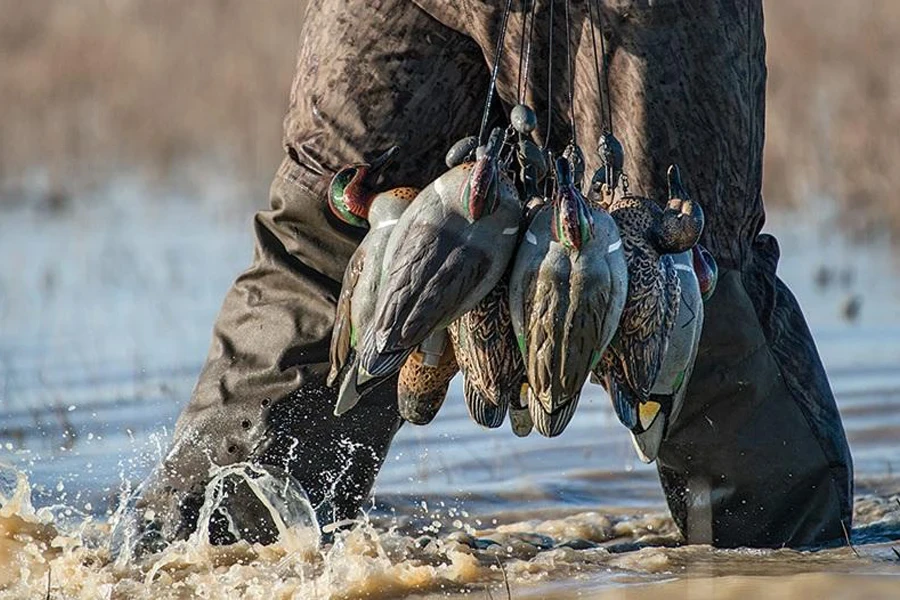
(569, 69)
(550, 78)
(525, 51)
(602, 82)
(498, 58)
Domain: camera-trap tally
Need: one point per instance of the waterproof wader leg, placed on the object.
(758, 456)
(369, 75)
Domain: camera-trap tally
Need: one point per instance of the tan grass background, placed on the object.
(89, 88)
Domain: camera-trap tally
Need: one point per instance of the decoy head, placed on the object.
(573, 225)
(613, 157)
(706, 269)
(351, 192)
(681, 222)
(481, 193)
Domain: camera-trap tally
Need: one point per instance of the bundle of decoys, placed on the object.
(503, 269)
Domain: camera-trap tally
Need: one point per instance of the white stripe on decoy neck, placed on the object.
(683, 267)
(387, 223)
(531, 238)
(439, 186)
(511, 231)
(614, 246)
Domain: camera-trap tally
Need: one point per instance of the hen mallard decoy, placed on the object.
(567, 291)
(633, 360)
(446, 253)
(353, 200)
(485, 347)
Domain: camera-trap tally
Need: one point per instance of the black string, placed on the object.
(523, 79)
(571, 78)
(606, 94)
(550, 78)
(498, 57)
(596, 58)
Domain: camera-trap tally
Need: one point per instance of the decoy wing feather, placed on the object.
(493, 362)
(544, 303)
(341, 338)
(428, 282)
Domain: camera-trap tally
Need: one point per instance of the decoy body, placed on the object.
(667, 394)
(425, 377)
(446, 253)
(633, 361)
(353, 201)
(485, 346)
(567, 290)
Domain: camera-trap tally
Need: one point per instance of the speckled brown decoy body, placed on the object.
(632, 361)
(485, 346)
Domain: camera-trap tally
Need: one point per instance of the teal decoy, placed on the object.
(353, 200)
(446, 253)
(485, 348)
(650, 235)
(667, 395)
(567, 291)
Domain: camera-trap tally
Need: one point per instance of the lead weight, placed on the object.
(523, 119)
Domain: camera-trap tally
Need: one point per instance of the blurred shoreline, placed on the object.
(178, 93)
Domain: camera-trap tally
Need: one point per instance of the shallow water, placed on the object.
(105, 313)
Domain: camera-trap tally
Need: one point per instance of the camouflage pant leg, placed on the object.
(369, 75)
(759, 455)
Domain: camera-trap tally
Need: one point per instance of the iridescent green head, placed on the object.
(573, 225)
(352, 189)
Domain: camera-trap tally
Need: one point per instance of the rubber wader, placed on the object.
(758, 456)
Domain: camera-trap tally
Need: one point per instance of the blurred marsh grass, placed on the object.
(90, 88)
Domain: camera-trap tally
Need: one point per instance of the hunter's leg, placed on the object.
(758, 456)
(369, 75)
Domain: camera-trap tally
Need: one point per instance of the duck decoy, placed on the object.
(446, 253)
(490, 361)
(667, 394)
(567, 291)
(632, 362)
(353, 200)
(425, 378)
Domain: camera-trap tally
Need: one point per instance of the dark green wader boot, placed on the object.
(755, 458)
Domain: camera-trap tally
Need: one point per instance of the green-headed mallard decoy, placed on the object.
(485, 347)
(567, 292)
(447, 252)
(353, 200)
(634, 358)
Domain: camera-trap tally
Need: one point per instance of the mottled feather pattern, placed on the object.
(486, 346)
(638, 347)
(421, 389)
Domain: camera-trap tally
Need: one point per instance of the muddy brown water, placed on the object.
(105, 314)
